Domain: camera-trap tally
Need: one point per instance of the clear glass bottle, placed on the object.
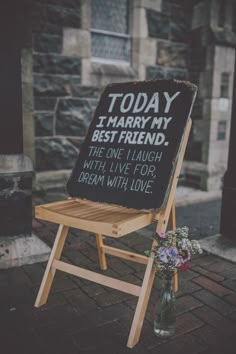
(165, 315)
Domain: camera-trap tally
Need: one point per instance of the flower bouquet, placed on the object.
(172, 252)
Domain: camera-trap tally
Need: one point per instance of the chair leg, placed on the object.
(50, 271)
(173, 227)
(101, 253)
(173, 217)
(141, 305)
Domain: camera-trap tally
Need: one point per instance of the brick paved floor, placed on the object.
(85, 318)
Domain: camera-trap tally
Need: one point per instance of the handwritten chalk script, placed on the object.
(127, 158)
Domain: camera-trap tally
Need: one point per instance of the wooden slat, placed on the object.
(134, 223)
(106, 227)
(98, 278)
(134, 257)
(61, 204)
(50, 272)
(101, 254)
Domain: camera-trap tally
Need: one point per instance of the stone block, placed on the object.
(140, 25)
(56, 64)
(199, 15)
(52, 85)
(212, 286)
(180, 24)
(178, 74)
(144, 50)
(171, 54)
(43, 123)
(47, 43)
(76, 42)
(27, 97)
(155, 73)
(15, 204)
(40, 20)
(77, 142)
(65, 16)
(73, 117)
(26, 65)
(55, 153)
(83, 91)
(158, 24)
(44, 103)
(149, 4)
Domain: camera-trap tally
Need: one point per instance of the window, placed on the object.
(221, 14)
(110, 30)
(224, 85)
(221, 131)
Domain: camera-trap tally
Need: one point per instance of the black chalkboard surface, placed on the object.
(128, 155)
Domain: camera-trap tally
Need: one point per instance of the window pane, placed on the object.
(110, 47)
(110, 15)
(221, 133)
(224, 85)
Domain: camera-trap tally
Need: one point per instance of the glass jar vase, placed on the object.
(165, 314)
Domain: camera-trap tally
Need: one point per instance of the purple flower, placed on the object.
(168, 255)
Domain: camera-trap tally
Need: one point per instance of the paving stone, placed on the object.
(77, 258)
(183, 344)
(230, 284)
(121, 267)
(189, 274)
(186, 303)
(131, 278)
(186, 287)
(17, 276)
(93, 289)
(80, 300)
(212, 286)
(36, 224)
(115, 339)
(109, 314)
(230, 274)
(62, 284)
(210, 275)
(231, 299)
(214, 340)
(216, 320)
(111, 298)
(221, 266)
(35, 272)
(213, 301)
(187, 322)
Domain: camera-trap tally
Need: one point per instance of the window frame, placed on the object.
(116, 35)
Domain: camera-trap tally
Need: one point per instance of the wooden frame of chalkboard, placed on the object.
(132, 145)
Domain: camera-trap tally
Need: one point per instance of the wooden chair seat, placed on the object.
(110, 220)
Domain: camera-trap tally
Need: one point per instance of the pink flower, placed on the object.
(183, 266)
(161, 234)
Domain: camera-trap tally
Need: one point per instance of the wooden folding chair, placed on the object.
(113, 221)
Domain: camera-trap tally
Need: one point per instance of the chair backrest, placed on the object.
(132, 145)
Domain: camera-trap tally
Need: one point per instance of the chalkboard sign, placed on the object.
(128, 155)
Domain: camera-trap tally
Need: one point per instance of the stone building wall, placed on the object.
(67, 82)
(169, 39)
(63, 107)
